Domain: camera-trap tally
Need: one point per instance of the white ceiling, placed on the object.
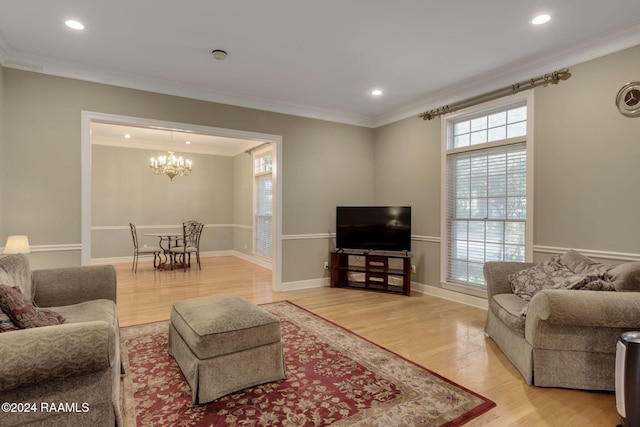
(314, 58)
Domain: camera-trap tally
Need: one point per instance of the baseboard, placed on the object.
(417, 287)
(249, 258)
(303, 284)
(258, 261)
(450, 295)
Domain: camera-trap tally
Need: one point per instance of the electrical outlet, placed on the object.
(413, 268)
(326, 265)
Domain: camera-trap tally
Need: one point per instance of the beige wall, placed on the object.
(124, 190)
(587, 153)
(407, 162)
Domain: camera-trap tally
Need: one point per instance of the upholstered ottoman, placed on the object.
(224, 344)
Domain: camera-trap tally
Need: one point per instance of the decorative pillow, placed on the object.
(6, 324)
(22, 312)
(550, 274)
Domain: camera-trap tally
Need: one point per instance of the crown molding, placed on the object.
(584, 51)
(580, 52)
(82, 72)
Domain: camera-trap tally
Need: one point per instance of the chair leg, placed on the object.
(134, 267)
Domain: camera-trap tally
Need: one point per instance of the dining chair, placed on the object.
(191, 232)
(137, 252)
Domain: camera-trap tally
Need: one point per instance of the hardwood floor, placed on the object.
(443, 336)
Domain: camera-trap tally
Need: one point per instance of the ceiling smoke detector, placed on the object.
(218, 54)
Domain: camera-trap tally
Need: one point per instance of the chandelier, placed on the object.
(170, 165)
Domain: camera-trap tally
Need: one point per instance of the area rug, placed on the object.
(333, 377)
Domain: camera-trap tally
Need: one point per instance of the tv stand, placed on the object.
(372, 271)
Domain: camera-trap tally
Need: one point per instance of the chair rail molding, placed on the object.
(415, 237)
(163, 227)
(592, 253)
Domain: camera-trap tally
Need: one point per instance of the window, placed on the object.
(486, 213)
(263, 203)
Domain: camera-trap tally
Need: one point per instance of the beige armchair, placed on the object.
(77, 362)
(568, 337)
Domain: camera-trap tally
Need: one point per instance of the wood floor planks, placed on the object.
(443, 336)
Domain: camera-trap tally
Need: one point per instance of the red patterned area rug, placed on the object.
(334, 377)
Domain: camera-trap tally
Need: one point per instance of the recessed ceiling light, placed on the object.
(219, 54)
(73, 24)
(540, 19)
(187, 142)
(127, 136)
(376, 92)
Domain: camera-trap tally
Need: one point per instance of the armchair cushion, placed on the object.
(16, 305)
(509, 308)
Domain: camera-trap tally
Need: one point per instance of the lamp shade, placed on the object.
(17, 245)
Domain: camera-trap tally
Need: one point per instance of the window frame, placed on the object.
(446, 122)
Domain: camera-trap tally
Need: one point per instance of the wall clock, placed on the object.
(628, 99)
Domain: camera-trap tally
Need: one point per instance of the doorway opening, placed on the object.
(274, 142)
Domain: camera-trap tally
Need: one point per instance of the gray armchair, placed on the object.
(568, 337)
(76, 361)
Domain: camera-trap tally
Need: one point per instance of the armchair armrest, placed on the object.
(584, 309)
(496, 273)
(32, 356)
(72, 285)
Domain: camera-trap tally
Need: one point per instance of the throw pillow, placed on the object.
(23, 313)
(549, 274)
(6, 324)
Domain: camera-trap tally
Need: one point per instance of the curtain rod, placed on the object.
(543, 80)
(251, 150)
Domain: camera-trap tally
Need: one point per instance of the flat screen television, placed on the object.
(384, 228)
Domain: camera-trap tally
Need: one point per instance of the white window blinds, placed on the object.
(263, 205)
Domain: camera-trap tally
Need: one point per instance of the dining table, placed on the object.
(166, 242)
